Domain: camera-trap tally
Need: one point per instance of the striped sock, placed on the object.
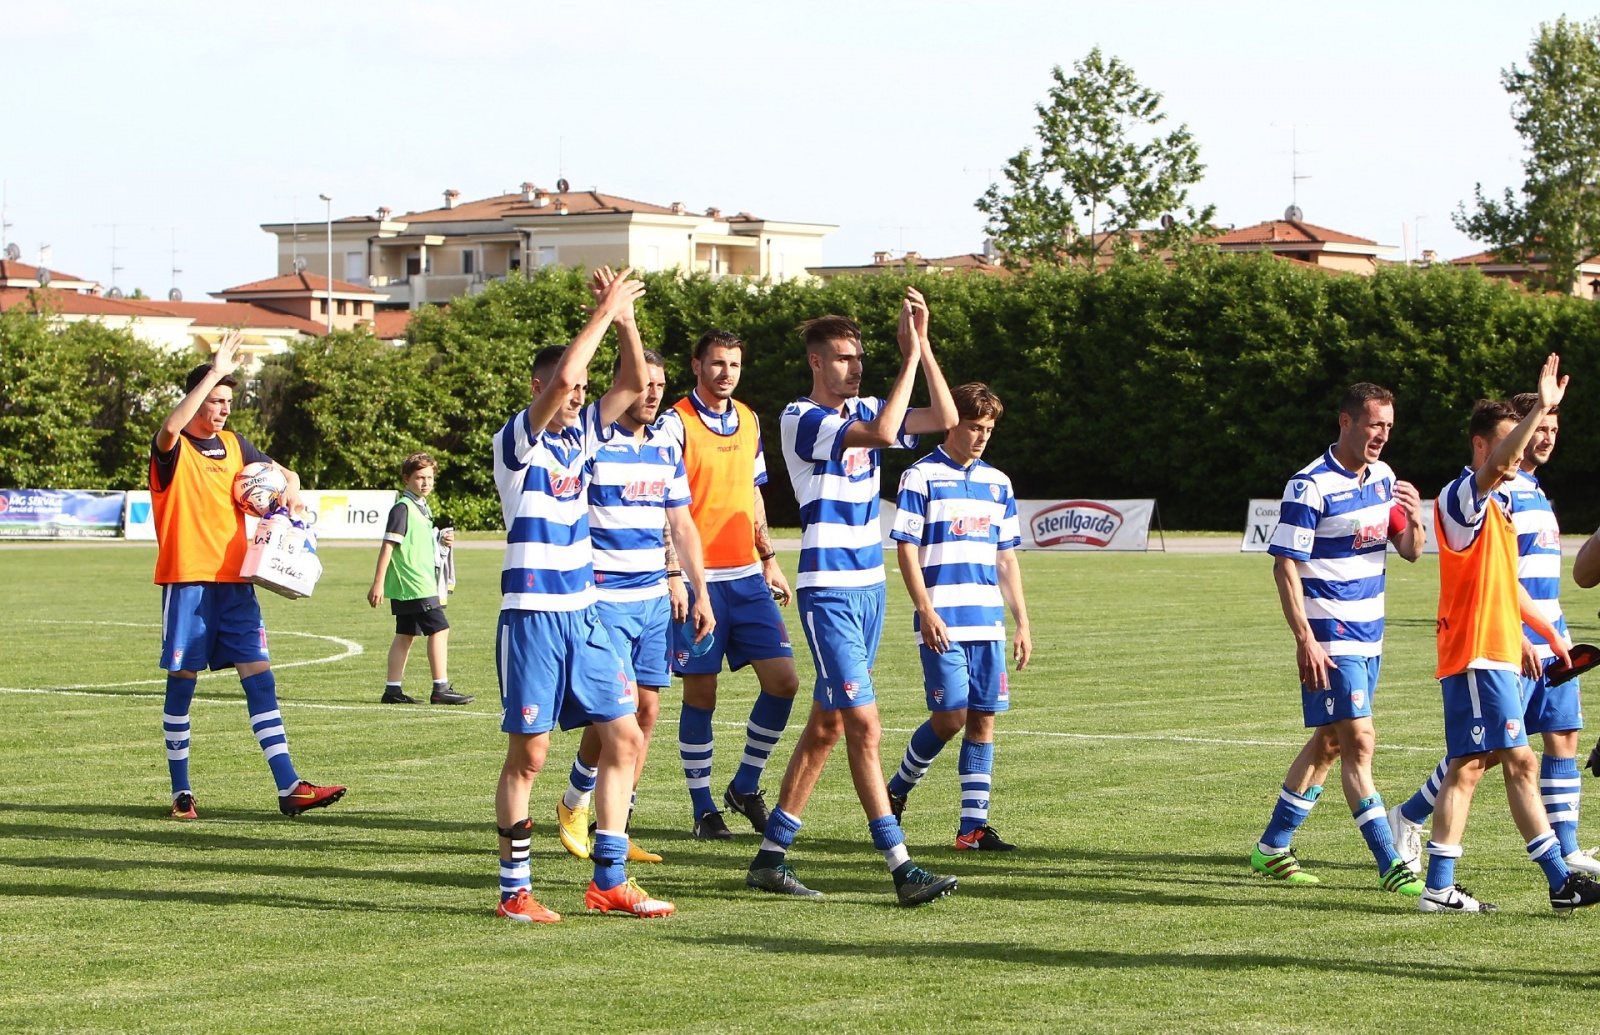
(610, 855)
(1372, 819)
(1419, 806)
(175, 727)
(580, 784)
(261, 698)
(975, 766)
(514, 873)
(1546, 851)
(1287, 815)
(768, 717)
(1559, 785)
(694, 749)
(776, 840)
(888, 839)
(1442, 866)
(920, 755)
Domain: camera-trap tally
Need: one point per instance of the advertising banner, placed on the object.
(60, 513)
(330, 513)
(1086, 524)
(137, 520)
(1262, 518)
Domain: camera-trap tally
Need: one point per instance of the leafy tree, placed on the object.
(1102, 169)
(1555, 218)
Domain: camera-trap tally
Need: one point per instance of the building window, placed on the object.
(468, 260)
(413, 266)
(341, 306)
(322, 306)
(355, 267)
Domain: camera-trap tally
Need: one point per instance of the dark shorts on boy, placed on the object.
(418, 617)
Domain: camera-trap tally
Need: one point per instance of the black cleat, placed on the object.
(984, 839)
(752, 806)
(916, 886)
(449, 696)
(712, 827)
(897, 804)
(780, 880)
(1580, 890)
(396, 697)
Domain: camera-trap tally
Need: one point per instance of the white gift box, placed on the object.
(283, 557)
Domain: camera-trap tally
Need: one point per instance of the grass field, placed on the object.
(1137, 767)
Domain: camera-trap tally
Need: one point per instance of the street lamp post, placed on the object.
(329, 201)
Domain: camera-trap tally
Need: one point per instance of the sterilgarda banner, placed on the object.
(1262, 518)
(330, 513)
(1086, 524)
(59, 513)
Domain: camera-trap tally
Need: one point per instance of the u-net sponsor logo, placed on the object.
(1075, 521)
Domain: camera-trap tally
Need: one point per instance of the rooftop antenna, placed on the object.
(5, 227)
(902, 232)
(174, 295)
(1416, 234)
(294, 222)
(1295, 175)
(114, 292)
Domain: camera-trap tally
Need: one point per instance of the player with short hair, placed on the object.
(1330, 551)
(209, 614)
(720, 438)
(957, 532)
(637, 490)
(556, 662)
(830, 443)
(1553, 712)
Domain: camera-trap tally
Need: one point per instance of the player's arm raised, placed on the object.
(573, 370)
(883, 430)
(1010, 573)
(1502, 462)
(1410, 542)
(225, 362)
(940, 413)
(631, 377)
(1312, 661)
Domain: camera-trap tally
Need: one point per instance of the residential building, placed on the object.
(1293, 238)
(986, 261)
(307, 296)
(1587, 284)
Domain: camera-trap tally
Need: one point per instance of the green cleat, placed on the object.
(1401, 879)
(1283, 866)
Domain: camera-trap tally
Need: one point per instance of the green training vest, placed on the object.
(411, 574)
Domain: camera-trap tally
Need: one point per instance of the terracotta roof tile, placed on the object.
(236, 314)
(390, 324)
(11, 270)
(72, 303)
(1286, 231)
(295, 282)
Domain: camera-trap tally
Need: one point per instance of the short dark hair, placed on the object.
(199, 373)
(1358, 395)
(545, 361)
(416, 462)
(1489, 414)
(1524, 402)
(976, 400)
(652, 358)
(714, 338)
(828, 328)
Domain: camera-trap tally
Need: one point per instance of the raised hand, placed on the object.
(1552, 387)
(616, 295)
(919, 314)
(906, 332)
(226, 361)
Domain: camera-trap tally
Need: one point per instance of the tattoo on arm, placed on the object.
(763, 540)
(672, 551)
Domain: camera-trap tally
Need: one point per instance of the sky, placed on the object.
(185, 126)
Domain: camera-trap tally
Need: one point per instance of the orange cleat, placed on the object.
(183, 806)
(627, 897)
(640, 855)
(523, 907)
(307, 796)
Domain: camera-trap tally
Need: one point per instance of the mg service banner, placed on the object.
(1262, 518)
(1086, 524)
(330, 513)
(59, 514)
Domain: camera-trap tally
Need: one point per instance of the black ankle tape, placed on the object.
(523, 827)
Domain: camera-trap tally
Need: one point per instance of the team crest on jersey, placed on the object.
(177, 659)
(913, 525)
(851, 689)
(565, 486)
(530, 715)
(1382, 489)
(1358, 698)
(938, 695)
(994, 491)
(646, 490)
(856, 462)
(1513, 727)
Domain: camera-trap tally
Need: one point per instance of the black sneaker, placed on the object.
(897, 805)
(1593, 764)
(449, 696)
(752, 806)
(916, 886)
(987, 839)
(1580, 890)
(780, 880)
(712, 827)
(396, 697)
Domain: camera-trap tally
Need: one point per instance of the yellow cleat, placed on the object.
(573, 827)
(639, 855)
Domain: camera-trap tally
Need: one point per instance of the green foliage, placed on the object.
(1556, 106)
(1102, 171)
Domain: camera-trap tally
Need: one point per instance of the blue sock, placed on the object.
(514, 874)
(580, 784)
(920, 754)
(694, 748)
(768, 716)
(776, 840)
(975, 766)
(1419, 806)
(1442, 866)
(1372, 820)
(610, 855)
(887, 838)
(1287, 815)
(1546, 851)
(1559, 784)
(175, 727)
(261, 698)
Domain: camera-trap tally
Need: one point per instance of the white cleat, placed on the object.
(1407, 839)
(1582, 861)
(1453, 900)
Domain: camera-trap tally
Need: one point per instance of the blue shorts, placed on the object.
(968, 675)
(639, 632)
(843, 627)
(1551, 709)
(1483, 711)
(558, 666)
(749, 628)
(210, 625)
(1349, 695)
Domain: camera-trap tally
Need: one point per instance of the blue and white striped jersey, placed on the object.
(1334, 524)
(632, 482)
(1538, 555)
(541, 477)
(841, 546)
(959, 518)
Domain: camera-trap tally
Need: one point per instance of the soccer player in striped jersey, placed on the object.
(1329, 554)
(957, 532)
(1481, 644)
(637, 489)
(830, 444)
(1553, 712)
(721, 442)
(209, 615)
(555, 660)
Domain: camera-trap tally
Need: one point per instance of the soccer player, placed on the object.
(637, 489)
(721, 442)
(830, 444)
(209, 615)
(1553, 712)
(957, 532)
(1481, 652)
(1329, 554)
(555, 660)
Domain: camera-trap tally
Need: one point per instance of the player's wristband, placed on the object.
(765, 557)
(675, 574)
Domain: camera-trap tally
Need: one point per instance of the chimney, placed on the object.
(561, 208)
(713, 212)
(528, 190)
(450, 197)
(880, 257)
(679, 208)
(912, 258)
(384, 212)
(540, 198)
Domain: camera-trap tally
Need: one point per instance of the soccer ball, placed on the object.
(258, 488)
